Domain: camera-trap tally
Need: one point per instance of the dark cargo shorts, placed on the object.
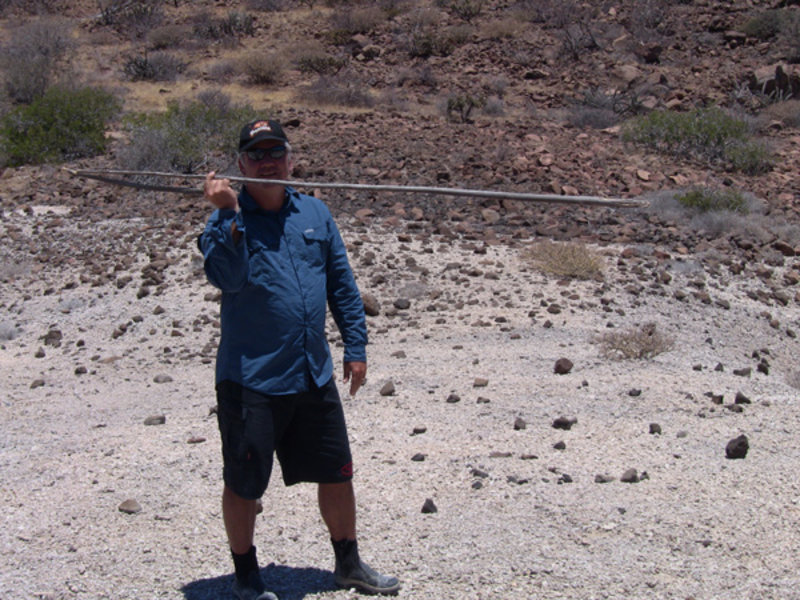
(307, 431)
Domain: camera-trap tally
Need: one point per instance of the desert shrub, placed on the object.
(33, 57)
(598, 110)
(494, 107)
(642, 341)
(312, 58)
(223, 70)
(158, 66)
(262, 68)
(235, 25)
(270, 5)
(168, 36)
(570, 260)
(555, 14)
(348, 22)
(426, 42)
(184, 136)
(501, 29)
(578, 38)
(466, 9)
(708, 134)
(32, 7)
(133, 18)
(764, 25)
(63, 124)
(459, 107)
(338, 91)
(706, 199)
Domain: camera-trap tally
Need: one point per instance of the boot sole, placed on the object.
(365, 587)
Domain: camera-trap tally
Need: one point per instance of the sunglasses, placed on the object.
(259, 154)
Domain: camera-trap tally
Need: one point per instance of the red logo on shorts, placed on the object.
(347, 470)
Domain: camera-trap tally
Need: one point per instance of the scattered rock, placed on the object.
(602, 478)
(563, 366)
(418, 457)
(155, 420)
(453, 398)
(480, 382)
(130, 507)
(655, 429)
(630, 476)
(519, 424)
(429, 507)
(565, 423)
(737, 447)
(387, 389)
(371, 305)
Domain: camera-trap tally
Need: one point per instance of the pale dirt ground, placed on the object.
(701, 526)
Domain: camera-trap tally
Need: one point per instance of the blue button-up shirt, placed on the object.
(276, 282)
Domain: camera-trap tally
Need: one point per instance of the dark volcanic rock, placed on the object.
(737, 447)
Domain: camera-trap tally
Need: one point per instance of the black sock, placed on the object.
(346, 552)
(244, 564)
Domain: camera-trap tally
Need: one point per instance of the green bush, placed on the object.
(763, 26)
(707, 200)
(63, 124)
(708, 134)
(184, 136)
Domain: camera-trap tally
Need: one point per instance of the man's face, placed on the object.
(266, 160)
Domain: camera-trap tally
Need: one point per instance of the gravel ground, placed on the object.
(520, 513)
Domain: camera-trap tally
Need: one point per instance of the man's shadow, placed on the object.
(289, 583)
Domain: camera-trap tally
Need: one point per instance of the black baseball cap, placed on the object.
(258, 131)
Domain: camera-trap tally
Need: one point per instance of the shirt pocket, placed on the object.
(315, 245)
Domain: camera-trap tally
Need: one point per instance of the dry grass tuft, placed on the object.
(573, 260)
(643, 341)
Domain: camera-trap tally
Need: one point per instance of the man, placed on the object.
(279, 260)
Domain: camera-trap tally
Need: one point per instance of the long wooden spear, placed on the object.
(117, 177)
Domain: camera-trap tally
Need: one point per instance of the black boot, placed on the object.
(351, 572)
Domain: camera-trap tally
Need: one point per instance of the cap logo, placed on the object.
(260, 126)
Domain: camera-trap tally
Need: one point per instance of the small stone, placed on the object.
(741, 398)
(630, 476)
(402, 304)
(155, 420)
(480, 382)
(563, 366)
(745, 372)
(655, 428)
(560, 446)
(130, 507)
(419, 430)
(162, 378)
(564, 478)
(737, 447)
(519, 424)
(634, 393)
(196, 439)
(564, 423)
(418, 457)
(429, 507)
(603, 478)
(372, 308)
(81, 370)
(39, 353)
(388, 389)
(453, 398)
(37, 383)
(479, 473)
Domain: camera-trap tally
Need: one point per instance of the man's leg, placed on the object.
(337, 503)
(239, 515)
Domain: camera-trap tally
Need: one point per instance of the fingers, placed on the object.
(219, 192)
(356, 373)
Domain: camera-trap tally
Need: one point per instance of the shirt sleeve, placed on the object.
(344, 299)
(226, 262)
